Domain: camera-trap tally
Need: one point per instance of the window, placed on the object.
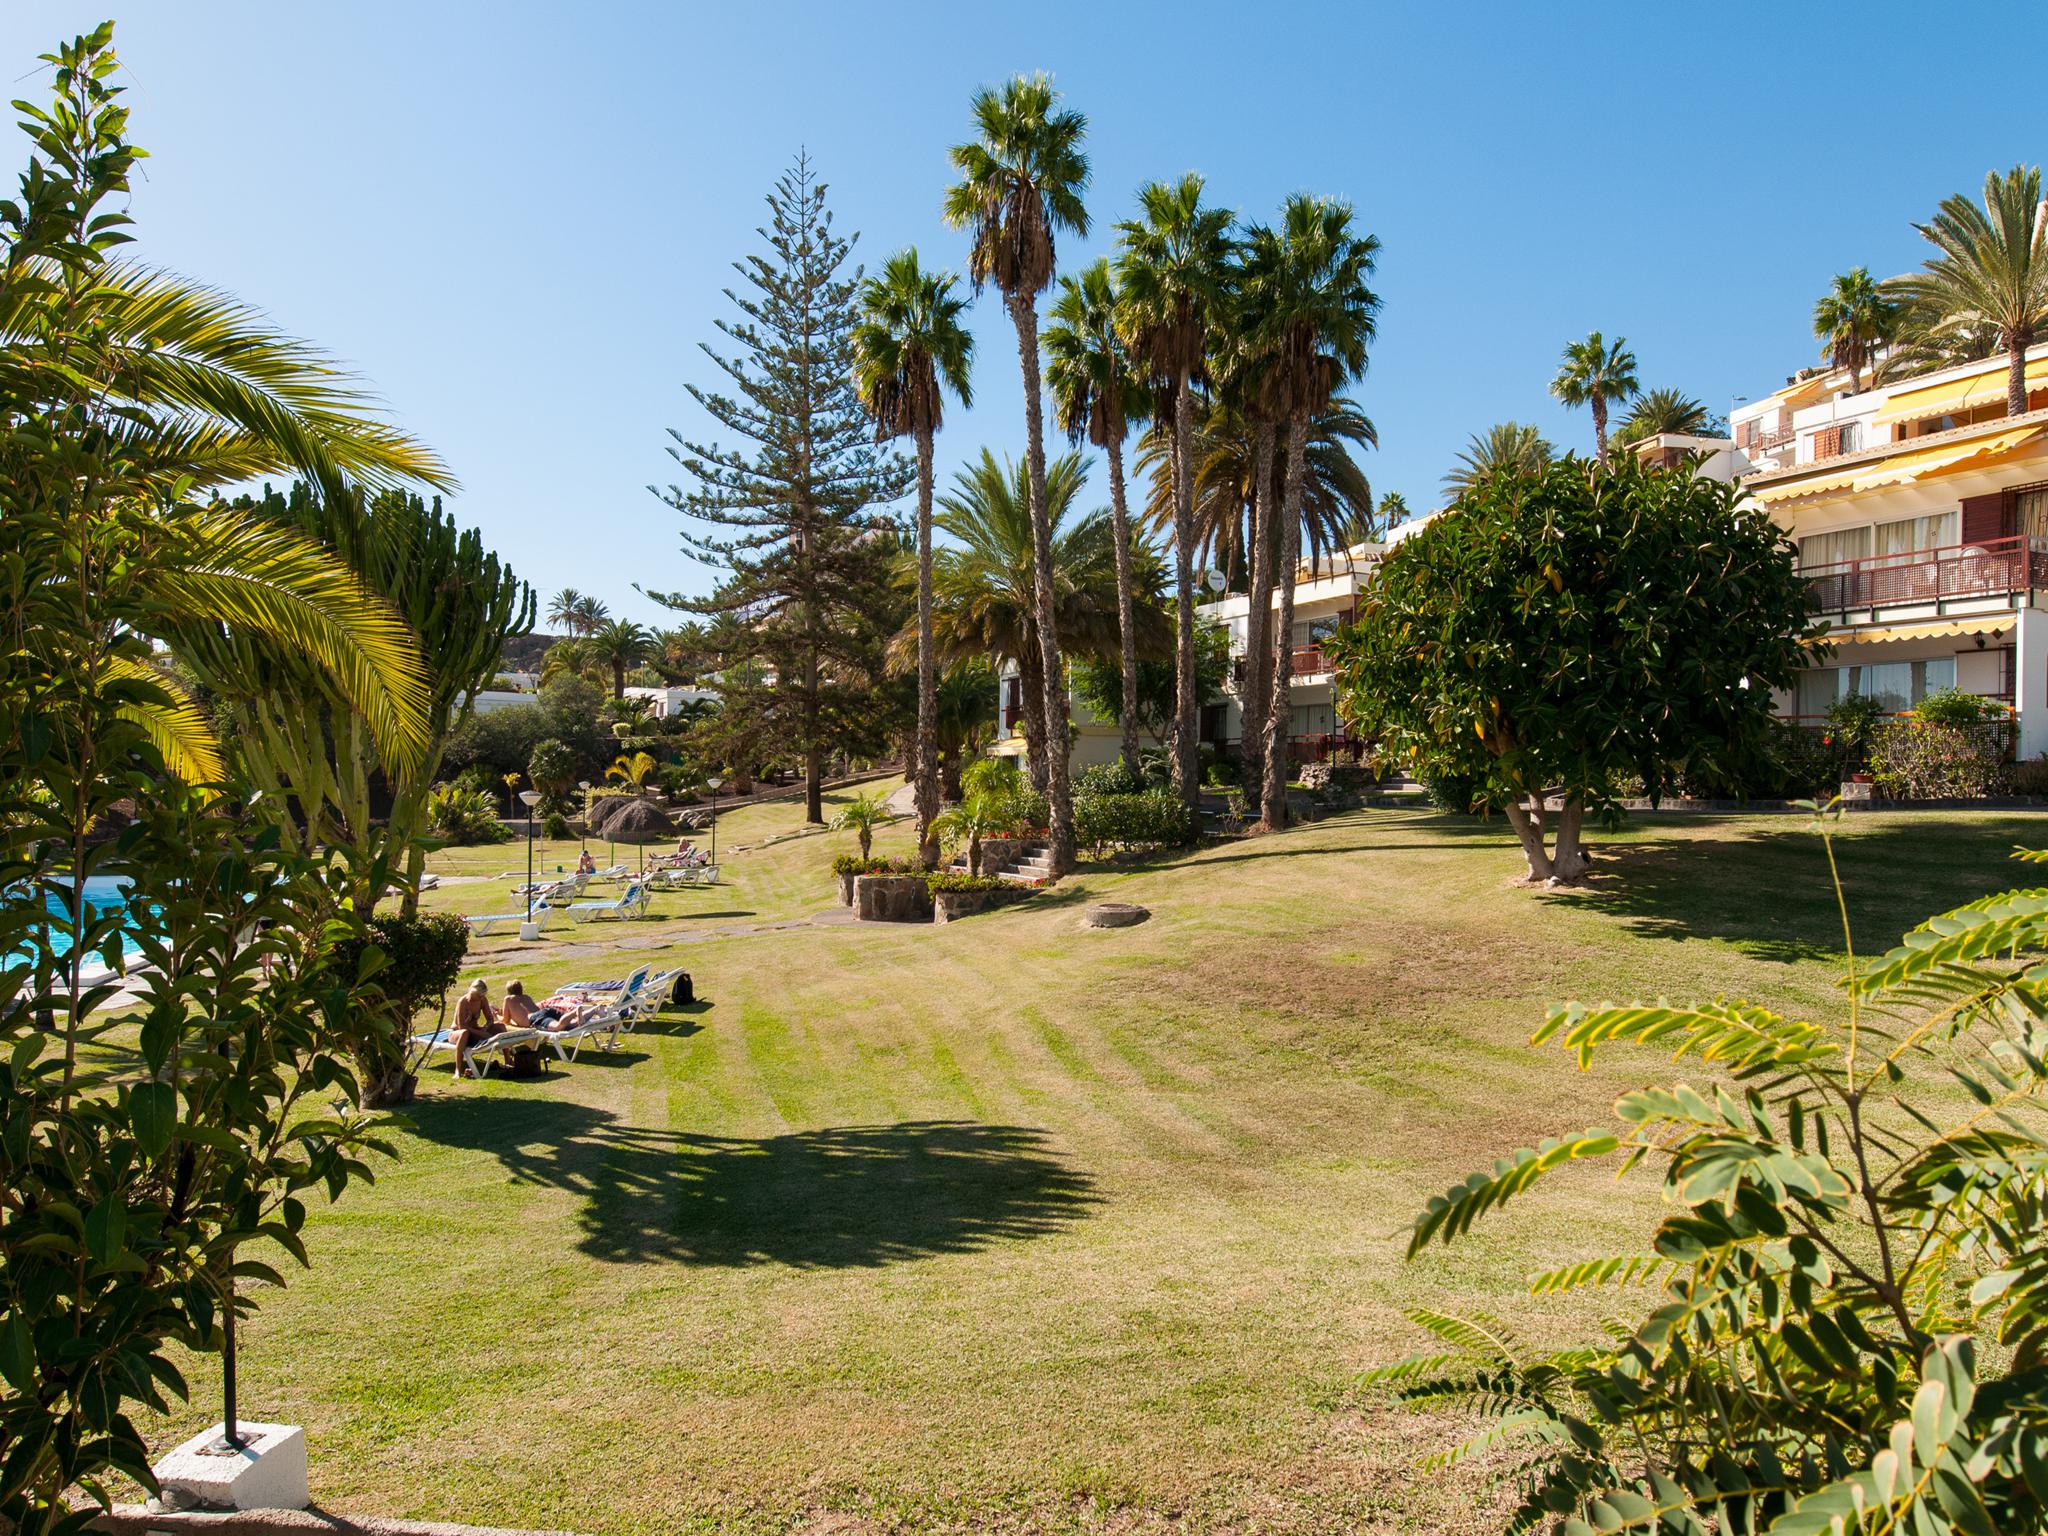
(1818, 688)
(1819, 549)
(2032, 509)
(1850, 437)
(1897, 685)
(1908, 534)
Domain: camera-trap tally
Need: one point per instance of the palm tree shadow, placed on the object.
(839, 1198)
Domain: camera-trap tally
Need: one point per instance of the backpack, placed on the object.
(682, 992)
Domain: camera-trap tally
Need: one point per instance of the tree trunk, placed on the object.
(1187, 757)
(1530, 832)
(1125, 617)
(1600, 427)
(814, 786)
(618, 679)
(949, 772)
(1258, 623)
(1058, 794)
(927, 792)
(1031, 695)
(1568, 859)
(2016, 376)
(1280, 707)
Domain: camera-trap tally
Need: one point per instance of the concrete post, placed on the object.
(2030, 682)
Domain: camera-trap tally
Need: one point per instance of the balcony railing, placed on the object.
(1990, 568)
(1765, 442)
(1308, 660)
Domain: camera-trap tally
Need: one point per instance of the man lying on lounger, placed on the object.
(556, 1014)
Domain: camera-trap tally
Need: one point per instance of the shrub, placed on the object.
(1453, 792)
(1115, 778)
(1851, 722)
(1152, 817)
(1952, 706)
(854, 864)
(1842, 1232)
(1913, 759)
(952, 880)
(465, 816)
(2030, 777)
(554, 826)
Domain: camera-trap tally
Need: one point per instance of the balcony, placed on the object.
(1309, 660)
(1926, 577)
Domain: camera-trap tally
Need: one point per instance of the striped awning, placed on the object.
(1981, 387)
(1933, 629)
(1900, 469)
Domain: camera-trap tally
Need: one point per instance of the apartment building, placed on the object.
(1921, 514)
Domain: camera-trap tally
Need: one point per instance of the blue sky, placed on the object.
(516, 219)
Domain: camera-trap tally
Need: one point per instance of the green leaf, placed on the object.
(153, 1111)
(106, 1225)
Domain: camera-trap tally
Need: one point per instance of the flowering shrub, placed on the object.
(1916, 759)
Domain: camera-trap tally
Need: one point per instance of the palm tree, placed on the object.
(1508, 448)
(1317, 319)
(565, 609)
(632, 770)
(863, 816)
(1990, 273)
(590, 614)
(985, 583)
(1655, 412)
(620, 645)
(909, 346)
(1393, 511)
(967, 717)
(1171, 273)
(1097, 395)
(1854, 319)
(1593, 374)
(1021, 180)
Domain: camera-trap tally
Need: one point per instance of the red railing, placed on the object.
(1308, 660)
(1325, 748)
(1985, 569)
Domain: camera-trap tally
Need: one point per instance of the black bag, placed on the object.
(524, 1061)
(683, 991)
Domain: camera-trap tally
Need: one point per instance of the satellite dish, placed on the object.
(1215, 580)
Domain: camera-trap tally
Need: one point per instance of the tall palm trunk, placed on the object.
(927, 761)
(1058, 793)
(1031, 696)
(1126, 628)
(1258, 622)
(1600, 426)
(2016, 373)
(1187, 758)
(618, 678)
(1283, 625)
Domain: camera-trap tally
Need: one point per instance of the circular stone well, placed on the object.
(1115, 914)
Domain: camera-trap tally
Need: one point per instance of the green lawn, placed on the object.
(1016, 1225)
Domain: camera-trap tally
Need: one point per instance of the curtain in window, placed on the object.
(1907, 534)
(2032, 508)
(1818, 549)
(1817, 689)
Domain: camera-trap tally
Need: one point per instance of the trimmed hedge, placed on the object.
(1915, 759)
(854, 864)
(951, 880)
(1150, 818)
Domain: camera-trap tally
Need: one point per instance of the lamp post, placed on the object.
(529, 930)
(583, 837)
(714, 784)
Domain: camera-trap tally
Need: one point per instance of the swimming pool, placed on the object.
(102, 893)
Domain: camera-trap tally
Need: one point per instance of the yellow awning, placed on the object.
(1901, 469)
(1908, 467)
(1933, 629)
(1986, 386)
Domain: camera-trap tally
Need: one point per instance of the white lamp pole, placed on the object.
(583, 838)
(529, 930)
(714, 784)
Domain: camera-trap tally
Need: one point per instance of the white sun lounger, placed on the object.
(485, 1052)
(632, 903)
(485, 925)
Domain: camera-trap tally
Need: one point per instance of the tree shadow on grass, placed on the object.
(1769, 894)
(844, 1197)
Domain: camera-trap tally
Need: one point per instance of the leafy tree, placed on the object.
(553, 769)
(1853, 321)
(1509, 448)
(1097, 394)
(1852, 1270)
(863, 816)
(1021, 180)
(1314, 319)
(1594, 373)
(1100, 685)
(795, 517)
(995, 805)
(1171, 273)
(1560, 632)
(1989, 276)
(1657, 411)
(136, 1180)
(909, 348)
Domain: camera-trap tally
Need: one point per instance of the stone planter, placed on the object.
(891, 899)
(947, 905)
(846, 889)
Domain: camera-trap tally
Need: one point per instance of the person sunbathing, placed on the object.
(553, 1015)
(585, 864)
(475, 1020)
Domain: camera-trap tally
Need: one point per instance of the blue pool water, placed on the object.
(101, 893)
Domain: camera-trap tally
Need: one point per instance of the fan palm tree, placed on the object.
(909, 347)
(620, 645)
(590, 615)
(1317, 318)
(1097, 395)
(985, 583)
(1655, 412)
(1507, 448)
(1393, 511)
(1990, 273)
(1021, 180)
(1594, 373)
(565, 609)
(1171, 273)
(1854, 319)
(864, 816)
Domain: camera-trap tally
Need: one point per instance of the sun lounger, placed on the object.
(631, 903)
(483, 926)
(484, 1052)
(567, 1041)
(627, 985)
